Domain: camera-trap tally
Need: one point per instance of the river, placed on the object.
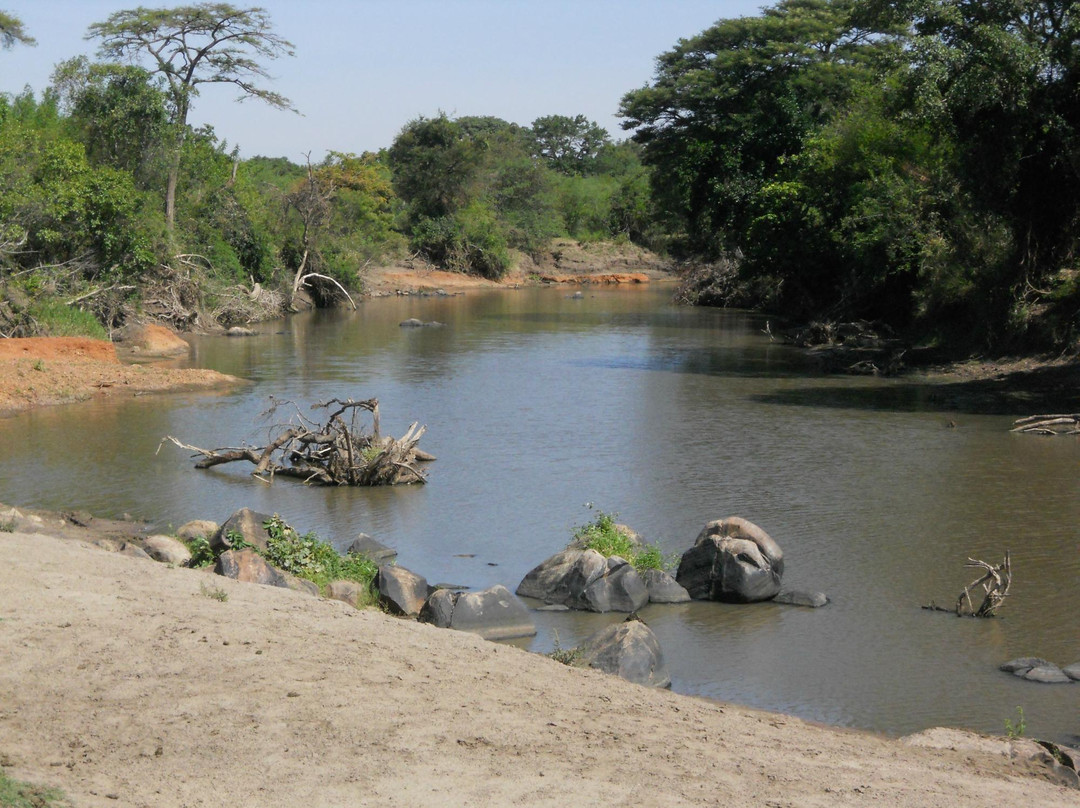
(538, 403)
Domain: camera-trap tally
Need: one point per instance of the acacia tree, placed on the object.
(206, 43)
(11, 31)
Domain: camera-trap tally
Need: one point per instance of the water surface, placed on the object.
(537, 403)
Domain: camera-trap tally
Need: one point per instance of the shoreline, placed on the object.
(125, 681)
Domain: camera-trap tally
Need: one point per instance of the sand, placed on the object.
(125, 682)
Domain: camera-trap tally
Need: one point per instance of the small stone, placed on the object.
(1047, 675)
(1072, 671)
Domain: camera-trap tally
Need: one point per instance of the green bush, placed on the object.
(604, 536)
(57, 319)
(305, 556)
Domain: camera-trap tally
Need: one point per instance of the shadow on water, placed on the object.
(1044, 390)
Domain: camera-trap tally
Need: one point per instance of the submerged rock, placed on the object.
(1022, 665)
(799, 597)
(378, 552)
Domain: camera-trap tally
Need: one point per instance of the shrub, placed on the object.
(57, 319)
(604, 536)
(305, 556)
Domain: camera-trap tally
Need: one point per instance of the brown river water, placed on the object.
(537, 403)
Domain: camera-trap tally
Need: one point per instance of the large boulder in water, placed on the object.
(733, 560)
(628, 649)
(584, 579)
(494, 614)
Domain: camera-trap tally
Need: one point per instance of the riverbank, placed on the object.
(127, 682)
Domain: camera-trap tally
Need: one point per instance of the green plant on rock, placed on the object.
(608, 539)
(202, 555)
(305, 556)
(566, 656)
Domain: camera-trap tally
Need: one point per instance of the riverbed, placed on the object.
(539, 403)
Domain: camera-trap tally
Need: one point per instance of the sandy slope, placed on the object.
(123, 683)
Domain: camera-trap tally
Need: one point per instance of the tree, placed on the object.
(730, 105)
(11, 31)
(207, 43)
(568, 145)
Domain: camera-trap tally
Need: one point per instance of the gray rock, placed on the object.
(1072, 671)
(167, 550)
(133, 550)
(401, 591)
(629, 650)
(733, 560)
(412, 322)
(584, 579)
(239, 331)
(1022, 665)
(348, 591)
(663, 588)
(1048, 675)
(246, 522)
(799, 597)
(378, 552)
(196, 529)
(494, 614)
(248, 566)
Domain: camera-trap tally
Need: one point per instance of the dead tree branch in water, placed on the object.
(1048, 424)
(995, 583)
(336, 451)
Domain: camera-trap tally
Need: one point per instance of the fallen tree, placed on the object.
(1061, 424)
(337, 451)
(995, 582)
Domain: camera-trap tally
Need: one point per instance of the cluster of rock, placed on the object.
(493, 613)
(732, 560)
(1037, 669)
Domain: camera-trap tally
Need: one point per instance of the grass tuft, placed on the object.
(604, 536)
(17, 794)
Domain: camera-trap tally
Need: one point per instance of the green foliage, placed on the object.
(12, 31)
(57, 319)
(7, 526)
(17, 794)
(569, 145)
(604, 536)
(202, 555)
(1018, 729)
(307, 557)
(565, 656)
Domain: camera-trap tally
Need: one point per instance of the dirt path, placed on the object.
(124, 682)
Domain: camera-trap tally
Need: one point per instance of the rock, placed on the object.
(1041, 754)
(799, 597)
(733, 560)
(378, 552)
(663, 588)
(412, 322)
(167, 550)
(494, 614)
(246, 522)
(248, 566)
(1022, 665)
(629, 650)
(196, 529)
(239, 331)
(401, 591)
(152, 340)
(1072, 671)
(133, 550)
(584, 579)
(348, 591)
(298, 584)
(1047, 675)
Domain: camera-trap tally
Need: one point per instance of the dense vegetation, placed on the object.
(910, 161)
(913, 161)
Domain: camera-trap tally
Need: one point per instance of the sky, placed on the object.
(365, 68)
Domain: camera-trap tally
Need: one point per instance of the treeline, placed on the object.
(111, 204)
(911, 161)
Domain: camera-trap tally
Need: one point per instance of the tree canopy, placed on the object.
(12, 31)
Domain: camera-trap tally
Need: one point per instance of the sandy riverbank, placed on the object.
(124, 683)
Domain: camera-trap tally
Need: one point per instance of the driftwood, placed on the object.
(995, 583)
(329, 453)
(1061, 424)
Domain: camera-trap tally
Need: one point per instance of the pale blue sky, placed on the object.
(364, 68)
